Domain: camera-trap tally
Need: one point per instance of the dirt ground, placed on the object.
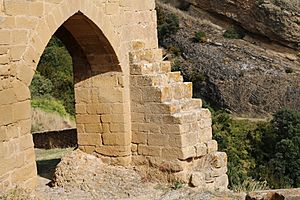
(83, 176)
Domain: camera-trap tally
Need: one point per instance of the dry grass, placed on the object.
(44, 121)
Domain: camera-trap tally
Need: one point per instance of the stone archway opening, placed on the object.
(98, 90)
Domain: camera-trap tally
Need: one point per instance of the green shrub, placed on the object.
(167, 24)
(49, 105)
(40, 86)
(289, 70)
(234, 33)
(199, 37)
(176, 65)
(174, 50)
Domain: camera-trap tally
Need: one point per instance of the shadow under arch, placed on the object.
(90, 50)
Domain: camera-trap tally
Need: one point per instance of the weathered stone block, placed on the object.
(87, 119)
(149, 150)
(158, 140)
(139, 137)
(114, 150)
(121, 139)
(89, 139)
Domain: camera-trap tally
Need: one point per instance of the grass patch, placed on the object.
(48, 154)
(49, 105)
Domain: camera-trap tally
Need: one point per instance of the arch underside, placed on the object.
(89, 48)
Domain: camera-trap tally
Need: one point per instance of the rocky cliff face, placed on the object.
(247, 78)
(277, 20)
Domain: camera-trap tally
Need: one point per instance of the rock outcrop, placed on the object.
(247, 78)
(277, 20)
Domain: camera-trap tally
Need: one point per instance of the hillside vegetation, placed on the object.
(52, 90)
(261, 153)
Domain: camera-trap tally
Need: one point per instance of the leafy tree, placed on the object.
(56, 65)
(235, 138)
(280, 148)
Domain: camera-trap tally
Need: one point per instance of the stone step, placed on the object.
(184, 105)
(191, 104)
(174, 77)
(158, 79)
(149, 80)
(145, 55)
(176, 91)
(154, 68)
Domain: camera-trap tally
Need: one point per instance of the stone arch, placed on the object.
(99, 84)
(55, 19)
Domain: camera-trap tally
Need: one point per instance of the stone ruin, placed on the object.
(130, 108)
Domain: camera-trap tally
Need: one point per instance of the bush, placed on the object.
(199, 37)
(234, 33)
(167, 24)
(174, 50)
(40, 86)
(176, 65)
(289, 70)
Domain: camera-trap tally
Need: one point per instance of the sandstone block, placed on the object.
(170, 153)
(149, 150)
(123, 161)
(139, 137)
(6, 117)
(80, 108)
(139, 160)
(114, 150)
(121, 139)
(5, 36)
(212, 146)
(158, 140)
(89, 139)
(221, 183)
(198, 179)
(24, 173)
(26, 142)
(201, 149)
(134, 147)
(93, 128)
(205, 134)
(87, 119)
(117, 108)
